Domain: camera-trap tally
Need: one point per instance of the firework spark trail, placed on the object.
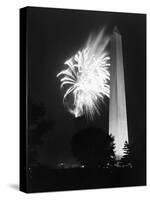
(86, 77)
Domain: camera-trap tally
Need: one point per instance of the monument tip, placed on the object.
(116, 30)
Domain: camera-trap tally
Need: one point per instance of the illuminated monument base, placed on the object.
(117, 107)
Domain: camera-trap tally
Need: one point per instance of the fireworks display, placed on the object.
(86, 76)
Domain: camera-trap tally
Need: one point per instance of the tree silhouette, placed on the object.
(38, 127)
(93, 147)
(126, 160)
(35, 111)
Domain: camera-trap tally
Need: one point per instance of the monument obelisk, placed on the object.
(118, 126)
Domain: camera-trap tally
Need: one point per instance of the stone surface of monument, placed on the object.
(118, 125)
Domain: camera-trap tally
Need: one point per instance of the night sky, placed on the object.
(54, 35)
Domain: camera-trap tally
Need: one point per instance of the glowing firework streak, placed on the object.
(86, 78)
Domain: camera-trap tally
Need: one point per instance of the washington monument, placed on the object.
(118, 126)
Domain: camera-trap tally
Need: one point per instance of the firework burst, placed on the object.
(86, 77)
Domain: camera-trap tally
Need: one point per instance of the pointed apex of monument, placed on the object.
(116, 30)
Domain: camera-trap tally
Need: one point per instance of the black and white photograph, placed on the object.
(82, 99)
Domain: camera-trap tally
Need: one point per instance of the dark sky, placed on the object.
(56, 34)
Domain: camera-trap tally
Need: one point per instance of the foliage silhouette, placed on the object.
(35, 111)
(93, 147)
(38, 127)
(126, 160)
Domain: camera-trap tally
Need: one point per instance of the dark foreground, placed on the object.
(43, 180)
